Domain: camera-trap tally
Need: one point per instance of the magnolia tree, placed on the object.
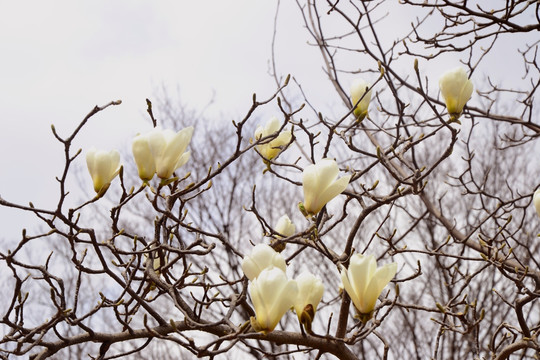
(397, 225)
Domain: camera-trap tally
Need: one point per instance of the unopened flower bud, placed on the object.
(103, 167)
(456, 89)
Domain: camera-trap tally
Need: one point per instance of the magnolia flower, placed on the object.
(103, 167)
(364, 282)
(321, 186)
(358, 89)
(161, 152)
(261, 257)
(536, 201)
(285, 226)
(272, 148)
(456, 90)
(272, 295)
(310, 292)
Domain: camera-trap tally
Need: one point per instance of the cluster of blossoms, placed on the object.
(273, 293)
(158, 152)
(162, 152)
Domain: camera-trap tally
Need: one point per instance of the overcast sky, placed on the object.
(60, 58)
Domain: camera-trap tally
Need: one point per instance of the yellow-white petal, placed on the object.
(332, 191)
(456, 89)
(103, 167)
(310, 292)
(378, 282)
(272, 126)
(285, 226)
(358, 91)
(176, 145)
(536, 201)
(143, 157)
(261, 257)
(272, 295)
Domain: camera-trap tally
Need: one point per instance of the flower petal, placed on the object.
(361, 269)
(349, 288)
(333, 190)
(262, 256)
(174, 149)
(272, 126)
(143, 157)
(380, 279)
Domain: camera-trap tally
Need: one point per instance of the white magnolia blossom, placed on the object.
(456, 89)
(358, 89)
(161, 151)
(321, 185)
(261, 257)
(285, 226)
(272, 148)
(103, 167)
(310, 292)
(272, 294)
(364, 282)
(536, 201)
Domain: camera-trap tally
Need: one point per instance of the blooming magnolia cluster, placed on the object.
(273, 293)
(158, 151)
(162, 152)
